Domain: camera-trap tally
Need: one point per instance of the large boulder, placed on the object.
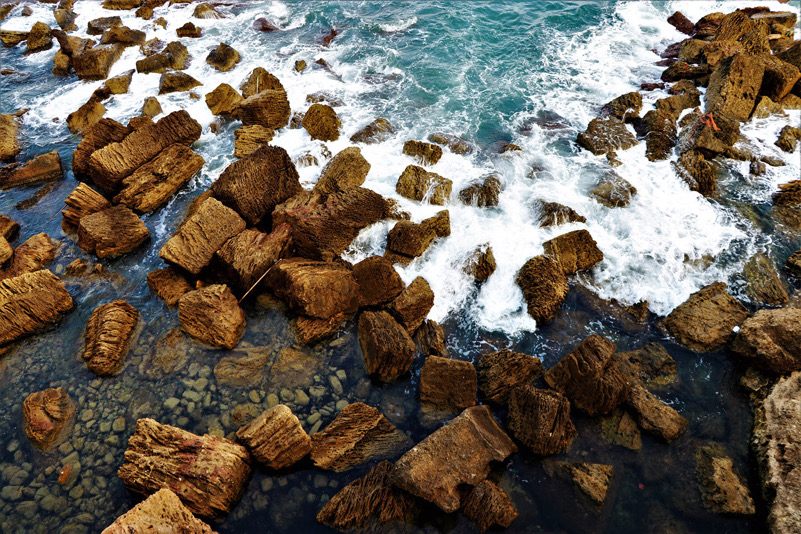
(223, 58)
(679, 21)
(544, 287)
(95, 63)
(430, 337)
(359, 434)
(605, 135)
(706, 320)
(124, 36)
(212, 315)
(208, 473)
(574, 251)
(734, 86)
(624, 107)
(43, 168)
(248, 255)
(48, 417)
(500, 372)
(411, 307)
(275, 438)
(387, 348)
(223, 100)
(108, 336)
(112, 232)
(269, 108)
(174, 56)
(256, 184)
(259, 80)
(722, 490)
(484, 194)
(712, 135)
(653, 415)
(699, 175)
(764, 284)
(779, 77)
(416, 183)
(248, 139)
(9, 143)
(407, 240)
(661, 133)
(540, 419)
(447, 385)
(379, 282)
(201, 235)
(322, 122)
(314, 288)
(37, 252)
(788, 138)
(105, 132)
(457, 454)
(176, 81)
(376, 132)
(164, 509)
(346, 170)
(39, 38)
(771, 340)
(613, 191)
(425, 153)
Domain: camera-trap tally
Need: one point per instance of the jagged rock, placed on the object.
(212, 315)
(487, 505)
(734, 86)
(661, 133)
(310, 330)
(248, 139)
(681, 23)
(323, 97)
(416, 183)
(484, 194)
(624, 107)
(223, 58)
(481, 263)
(9, 143)
(447, 384)
(779, 77)
(456, 454)
(589, 378)
(430, 337)
(260, 80)
(440, 223)
(322, 122)
(691, 51)
(387, 348)
(98, 26)
(555, 214)
(370, 501)
(223, 100)
(574, 251)
(5, 9)
(651, 365)
(189, 30)
(766, 107)
(606, 134)
(123, 35)
(42, 168)
(707, 25)
(613, 191)
(407, 240)
(172, 82)
(112, 232)
(12, 38)
(544, 287)
(168, 284)
(501, 372)
(455, 144)
(411, 307)
(315, 289)
(425, 153)
(655, 416)
(764, 285)
(119, 84)
(683, 71)
(710, 135)
(95, 63)
(540, 419)
(103, 133)
(39, 38)
(174, 56)
(722, 489)
(619, 428)
(788, 138)
(85, 117)
(269, 108)
(248, 255)
(164, 509)
(705, 321)
(346, 170)
(377, 131)
(770, 340)
(263, 25)
(121, 4)
(256, 184)
(8, 227)
(206, 11)
(275, 438)
(379, 282)
(108, 335)
(359, 434)
(49, 417)
(789, 194)
(36, 253)
(208, 473)
(201, 235)
(699, 175)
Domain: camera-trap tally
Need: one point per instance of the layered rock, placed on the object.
(540, 419)
(771, 340)
(407, 240)
(481, 263)
(455, 144)
(322, 122)
(379, 282)
(168, 284)
(346, 170)
(555, 214)
(49, 417)
(174, 56)
(36, 253)
(9, 143)
(104, 133)
(223, 58)
(488, 506)
(447, 384)
(574, 251)
(416, 183)
(275, 438)
(248, 255)
(501, 372)
(212, 315)
(108, 336)
(175, 81)
(425, 153)
(764, 285)
(734, 86)
(95, 63)
(248, 139)
(613, 191)
(260, 80)
(544, 287)
(653, 415)
(269, 108)
(624, 107)
(411, 307)
(42, 168)
(722, 490)
(387, 348)
(699, 175)
(650, 365)
(430, 338)
(313, 288)
(81, 202)
(112, 232)
(164, 509)
(592, 480)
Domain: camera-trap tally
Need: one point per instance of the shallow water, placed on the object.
(490, 73)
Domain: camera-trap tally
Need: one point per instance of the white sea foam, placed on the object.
(401, 25)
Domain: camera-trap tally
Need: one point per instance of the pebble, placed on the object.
(11, 493)
(76, 492)
(320, 480)
(316, 427)
(200, 384)
(341, 405)
(341, 374)
(105, 427)
(255, 397)
(118, 425)
(87, 415)
(301, 398)
(266, 484)
(27, 509)
(192, 396)
(317, 391)
(171, 403)
(287, 395)
(336, 385)
(65, 448)
(313, 418)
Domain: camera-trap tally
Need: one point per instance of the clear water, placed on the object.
(492, 73)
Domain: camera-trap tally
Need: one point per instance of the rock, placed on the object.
(766, 107)
(624, 107)
(651, 365)
(653, 415)
(9, 132)
(407, 240)
(699, 132)
(379, 282)
(172, 82)
(613, 191)
(683, 71)
(619, 428)
(411, 307)
(416, 183)
(574, 251)
(440, 223)
(119, 84)
(260, 80)
(201, 235)
(242, 371)
(48, 416)
(103, 133)
(788, 138)
(457, 453)
(346, 170)
(681, 23)
(779, 77)
(248, 255)
(123, 35)
(488, 506)
(95, 63)
(256, 184)
(313, 288)
(430, 337)
(764, 284)
(174, 56)
(501, 372)
(708, 25)
(39, 38)
(455, 144)
(733, 87)
(699, 175)
(370, 501)
(606, 134)
(310, 330)
(293, 369)
(544, 287)
(43, 168)
(9, 229)
(661, 133)
(722, 489)
(275, 438)
(108, 335)
(168, 284)
(248, 139)
(789, 194)
(769, 340)
(425, 153)
(591, 479)
(12, 38)
(6, 251)
(484, 194)
(300, 65)
(387, 348)
(110, 164)
(555, 214)
(705, 321)
(112, 232)
(447, 384)
(206, 11)
(481, 263)
(164, 509)
(36, 253)
(212, 315)
(589, 378)
(359, 434)
(263, 25)
(98, 26)
(378, 131)
(208, 473)
(223, 100)
(189, 30)
(322, 122)
(269, 108)
(540, 419)
(85, 117)
(223, 58)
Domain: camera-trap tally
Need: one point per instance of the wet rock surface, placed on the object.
(275, 438)
(212, 315)
(108, 336)
(49, 417)
(164, 509)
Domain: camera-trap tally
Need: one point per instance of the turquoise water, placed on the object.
(532, 73)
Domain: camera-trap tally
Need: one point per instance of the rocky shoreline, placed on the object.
(284, 406)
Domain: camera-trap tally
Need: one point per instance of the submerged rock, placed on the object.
(112, 232)
(243, 371)
(43, 168)
(168, 284)
(655, 416)
(555, 214)
(764, 285)
(499, 373)
(592, 480)
(722, 489)
(540, 419)
(387, 348)
(447, 384)
(613, 191)
(651, 365)
(48, 416)
(483, 194)
(275, 438)
(164, 509)
(212, 315)
(108, 335)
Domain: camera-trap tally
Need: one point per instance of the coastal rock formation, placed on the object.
(693, 168)
(544, 287)
(407, 240)
(416, 183)
(168, 284)
(85, 117)
(655, 416)
(208, 473)
(387, 348)
(592, 480)
(94, 63)
(651, 365)
(771, 340)
(764, 285)
(37, 252)
(613, 191)
(440, 223)
(411, 307)
(249, 254)
(788, 138)
(108, 335)
(42, 168)
(260, 80)
(248, 139)
(455, 144)
(661, 134)
(540, 419)
(425, 153)
(268, 108)
(722, 490)
(6, 251)
(619, 428)
(555, 214)
(39, 38)
(624, 107)
(174, 56)
(176, 81)
(189, 30)
(459, 453)
(310, 330)
(346, 170)
(49, 417)
(322, 122)
(501, 372)
(734, 86)
(212, 315)
(223, 58)
(606, 134)
(164, 509)
(112, 232)
(484, 194)
(30, 301)
(378, 131)
(379, 282)
(314, 288)
(430, 338)
(223, 100)
(447, 384)
(275, 438)
(9, 142)
(705, 321)
(105, 132)
(481, 263)
(488, 506)
(574, 251)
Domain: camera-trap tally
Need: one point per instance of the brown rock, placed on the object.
(770, 340)
(85, 117)
(310, 330)
(95, 63)
(103, 133)
(574, 251)
(36, 253)
(447, 384)
(248, 139)
(98, 26)
(174, 56)
(722, 490)
(49, 417)
(544, 287)
(123, 35)
(708, 25)
(613, 191)
(606, 134)
(164, 509)
(440, 223)
(488, 506)
(379, 282)
(766, 107)
(455, 144)
(416, 183)
(42, 168)
(624, 107)
(359, 434)
(6, 251)
(411, 307)
(81, 202)
(168, 284)
(779, 77)
(293, 369)
(377, 131)
(555, 214)
(223, 100)
(346, 170)
(681, 23)
(8, 227)
(651, 365)
(456, 454)
(208, 473)
(788, 138)
(322, 122)
(705, 321)
(248, 255)
(764, 284)
(540, 419)
(315, 289)
(698, 133)
(269, 108)
(409, 239)
(734, 86)
(39, 38)
(387, 348)
(189, 30)
(112, 232)
(245, 370)
(206, 11)
(693, 168)
(655, 416)
(661, 133)
(260, 80)
(425, 153)
(9, 144)
(591, 479)
(501, 372)
(430, 337)
(481, 263)
(201, 235)
(619, 428)
(683, 71)
(483, 194)
(119, 84)
(223, 58)
(212, 315)
(108, 335)
(275, 438)
(12, 38)
(172, 82)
